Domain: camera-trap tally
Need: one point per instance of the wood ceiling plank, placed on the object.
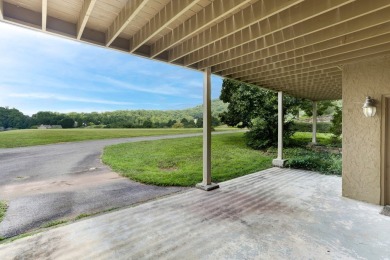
(126, 15)
(332, 61)
(1, 10)
(85, 13)
(198, 22)
(304, 27)
(250, 15)
(356, 29)
(298, 58)
(161, 20)
(297, 73)
(302, 77)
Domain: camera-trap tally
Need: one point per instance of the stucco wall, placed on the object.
(361, 135)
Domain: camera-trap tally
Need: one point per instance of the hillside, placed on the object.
(147, 118)
(190, 117)
(217, 107)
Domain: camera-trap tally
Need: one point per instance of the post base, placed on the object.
(279, 163)
(209, 187)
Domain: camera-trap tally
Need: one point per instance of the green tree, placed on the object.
(337, 122)
(215, 121)
(47, 118)
(147, 124)
(13, 118)
(67, 122)
(322, 107)
(178, 125)
(255, 108)
(185, 122)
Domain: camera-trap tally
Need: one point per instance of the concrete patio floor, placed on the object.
(273, 214)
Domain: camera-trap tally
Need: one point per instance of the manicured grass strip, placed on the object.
(31, 137)
(178, 162)
(3, 209)
(54, 223)
(322, 138)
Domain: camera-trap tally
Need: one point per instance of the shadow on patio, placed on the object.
(276, 213)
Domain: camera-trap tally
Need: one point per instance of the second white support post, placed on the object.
(206, 183)
(279, 161)
(314, 137)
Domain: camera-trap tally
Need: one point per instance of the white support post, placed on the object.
(314, 137)
(44, 15)
(206, 183)
(279, 162)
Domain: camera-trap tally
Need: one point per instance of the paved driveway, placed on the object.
(61, 181)
(273, 214)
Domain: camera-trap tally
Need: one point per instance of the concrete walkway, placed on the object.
(273, 214)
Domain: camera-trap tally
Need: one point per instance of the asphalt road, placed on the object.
(61, 181)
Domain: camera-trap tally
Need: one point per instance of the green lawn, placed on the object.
(179, 162)
(31, 137)
(322, 138)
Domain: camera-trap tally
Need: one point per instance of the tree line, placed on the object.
(12, 118)
(257, 109)
(240, 105)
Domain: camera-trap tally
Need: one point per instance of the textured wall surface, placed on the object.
(361, 135)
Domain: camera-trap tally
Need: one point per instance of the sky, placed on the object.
(41, 72)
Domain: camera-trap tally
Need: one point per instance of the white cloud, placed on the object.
(39, 71)
(163, 89)
(66, 98)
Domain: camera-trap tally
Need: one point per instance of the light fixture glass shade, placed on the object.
(369, 108)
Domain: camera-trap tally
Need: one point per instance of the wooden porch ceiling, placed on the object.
(298, 46)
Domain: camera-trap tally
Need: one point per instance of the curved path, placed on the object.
(61, 181)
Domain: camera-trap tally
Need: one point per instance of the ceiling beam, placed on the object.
(302, 85)
(44, 15)
(266, 36)
(86, 11)
(330, 71)
(304, 79)
(160, 21)
(318, 91)
(308, 86)
(301, 57)
(336, 59)
(296, 73)
(1, 10)
(125, 16)
(250, 15)
(216, 10)
(363, 27)
(328, 67)
(328, 86)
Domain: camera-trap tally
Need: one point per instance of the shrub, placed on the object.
(67, 122)
(337, 122)
(322, 127)
(263, 136)
(178, 125)
(323, 162)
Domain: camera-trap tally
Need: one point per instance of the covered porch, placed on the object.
(272, 214)
(319, 50)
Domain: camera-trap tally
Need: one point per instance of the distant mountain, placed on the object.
(13, 118)
(149, 118)
(217, 107)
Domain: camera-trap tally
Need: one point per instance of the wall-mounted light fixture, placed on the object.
(369, 108)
